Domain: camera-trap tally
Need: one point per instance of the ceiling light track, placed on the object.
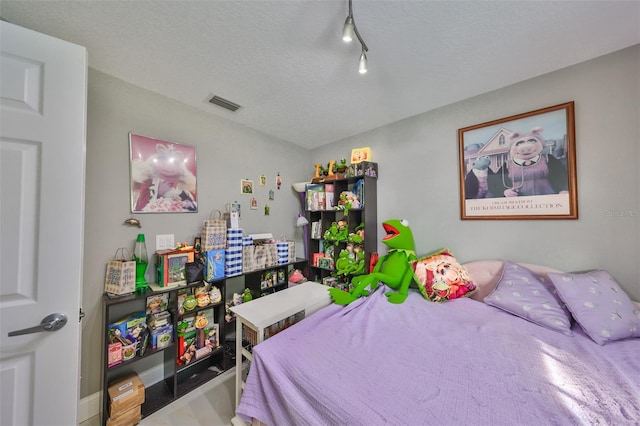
(348, 31)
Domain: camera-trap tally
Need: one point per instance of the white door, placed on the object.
(43, 90)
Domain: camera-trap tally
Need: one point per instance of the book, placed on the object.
(316, 230)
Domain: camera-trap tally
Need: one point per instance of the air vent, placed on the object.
(223, 103)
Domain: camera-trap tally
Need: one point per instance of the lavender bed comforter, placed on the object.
(421, 363)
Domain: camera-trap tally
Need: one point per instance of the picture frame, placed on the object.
(246, 187)
(235, 206)
(176, 268)
(520, 167)
(360, 154)
(163, 176)
(170, 266)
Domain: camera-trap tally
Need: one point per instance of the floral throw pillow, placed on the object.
(599, 305)
(440, 277)
(530, 296)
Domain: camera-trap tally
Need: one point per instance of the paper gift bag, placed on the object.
(214, 232)
(271, 258)
(214, 261)
(121, 274)
(260, 256)
(248, 259)
(291, 251)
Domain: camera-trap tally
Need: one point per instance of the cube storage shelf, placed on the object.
(178, 380)
(328, 214)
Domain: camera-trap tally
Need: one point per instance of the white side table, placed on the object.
(262, 318)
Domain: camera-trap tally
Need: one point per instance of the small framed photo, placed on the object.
(176, 267)
(360, 154)
(520, 167)
(246, 187)
(236, 207)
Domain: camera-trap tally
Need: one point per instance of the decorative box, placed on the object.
(170, 269)
(114, 354)
(130, 325)
(162, 337)
(364, 168)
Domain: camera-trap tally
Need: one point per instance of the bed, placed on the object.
(462, 362)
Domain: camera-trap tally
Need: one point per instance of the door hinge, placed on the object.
(81, 315)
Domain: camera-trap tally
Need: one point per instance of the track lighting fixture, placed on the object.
(348, 31)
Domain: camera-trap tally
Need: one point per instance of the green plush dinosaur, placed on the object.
(393, 269)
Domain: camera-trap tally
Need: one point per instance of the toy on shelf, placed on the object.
(332, 171)
(338, 232)
(348, 200)
(341, 167)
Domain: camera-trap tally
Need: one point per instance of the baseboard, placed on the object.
(89, 407)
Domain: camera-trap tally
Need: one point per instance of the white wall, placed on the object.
(418, 167)
(226, 153)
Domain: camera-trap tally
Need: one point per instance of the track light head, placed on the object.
(347, 30)
(362, 67)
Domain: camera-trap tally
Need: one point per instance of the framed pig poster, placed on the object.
(520, 167)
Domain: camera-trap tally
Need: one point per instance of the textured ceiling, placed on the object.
(285, 62)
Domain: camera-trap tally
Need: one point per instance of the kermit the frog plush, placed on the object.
(393, 269)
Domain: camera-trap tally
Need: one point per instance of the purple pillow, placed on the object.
(530, 296)
(599, 305)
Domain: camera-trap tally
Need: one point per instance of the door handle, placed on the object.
(51, 322)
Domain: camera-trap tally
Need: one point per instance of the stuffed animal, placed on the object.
(529, 171)
(394, 269)
(350, 260)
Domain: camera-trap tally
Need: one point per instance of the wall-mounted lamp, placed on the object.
(348, 31)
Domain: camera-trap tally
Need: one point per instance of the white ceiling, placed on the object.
(284, 61)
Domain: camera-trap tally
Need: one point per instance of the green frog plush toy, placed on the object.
(393, 269)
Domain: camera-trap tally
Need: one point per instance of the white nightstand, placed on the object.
(266, 316)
